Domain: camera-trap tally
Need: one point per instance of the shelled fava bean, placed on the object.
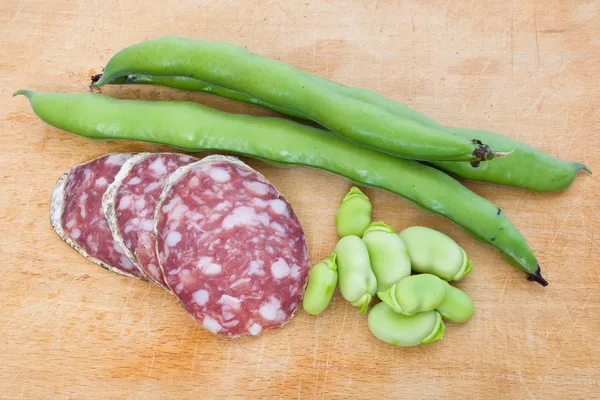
(357, 281)
(404, 330)
(322, 280)
(434, 253)
(415, 294)
(354, 215)
(388, 255)
(457, 305)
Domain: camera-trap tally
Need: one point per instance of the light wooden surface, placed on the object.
(69, 329)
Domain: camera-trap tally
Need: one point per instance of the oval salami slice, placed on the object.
(129, 204)
(77, 217)
(230, 247)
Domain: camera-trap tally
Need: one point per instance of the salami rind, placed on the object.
(77, 217)
(129, 205)
(230, 247)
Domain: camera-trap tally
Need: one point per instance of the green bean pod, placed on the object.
(457, 306)
(277, 84)
(357, 281)
(389, 258)
(193, 127)
(432, 252)
(322, 280)
(415, 294)
(526, 168)
(404, 330)
(354, 215)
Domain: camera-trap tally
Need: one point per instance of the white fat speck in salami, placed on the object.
(200, 297)
(270, 309)
(232, 270)
(219, 175)
(279, 207)
(101, 182)
(280, 269)
(257, 188)
(255, 329)
(211, 324)
(256, 267)
(173, 238)
(76, 213)
(130, 202)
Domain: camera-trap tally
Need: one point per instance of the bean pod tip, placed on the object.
(581, 167)
(25, 92)
(95, 78)
(537, 277)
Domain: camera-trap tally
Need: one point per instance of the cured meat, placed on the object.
(230, 247)
(129, 204)
(77, 217)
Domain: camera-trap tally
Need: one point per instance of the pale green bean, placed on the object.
(357, 281)
(389, 258)
(403, 330)
(457, 306)
(415, 294)
(434, 253)
(354, 215)
(322, 280)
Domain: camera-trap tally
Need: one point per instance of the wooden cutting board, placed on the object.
(69, 329)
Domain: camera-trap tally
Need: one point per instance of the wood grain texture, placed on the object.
(69, 329)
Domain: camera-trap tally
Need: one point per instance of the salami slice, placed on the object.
(77, 217)
(230, 247)
(129, 204)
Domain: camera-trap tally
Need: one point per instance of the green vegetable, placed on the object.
(434, 253)
(183, 83)
(354, 215)
(279, 85)
(457, 306)
(193, 127)
(415, 294)
(357, 281)
(526, 168)
(389, 258)
(322, 280)
(403, 330)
